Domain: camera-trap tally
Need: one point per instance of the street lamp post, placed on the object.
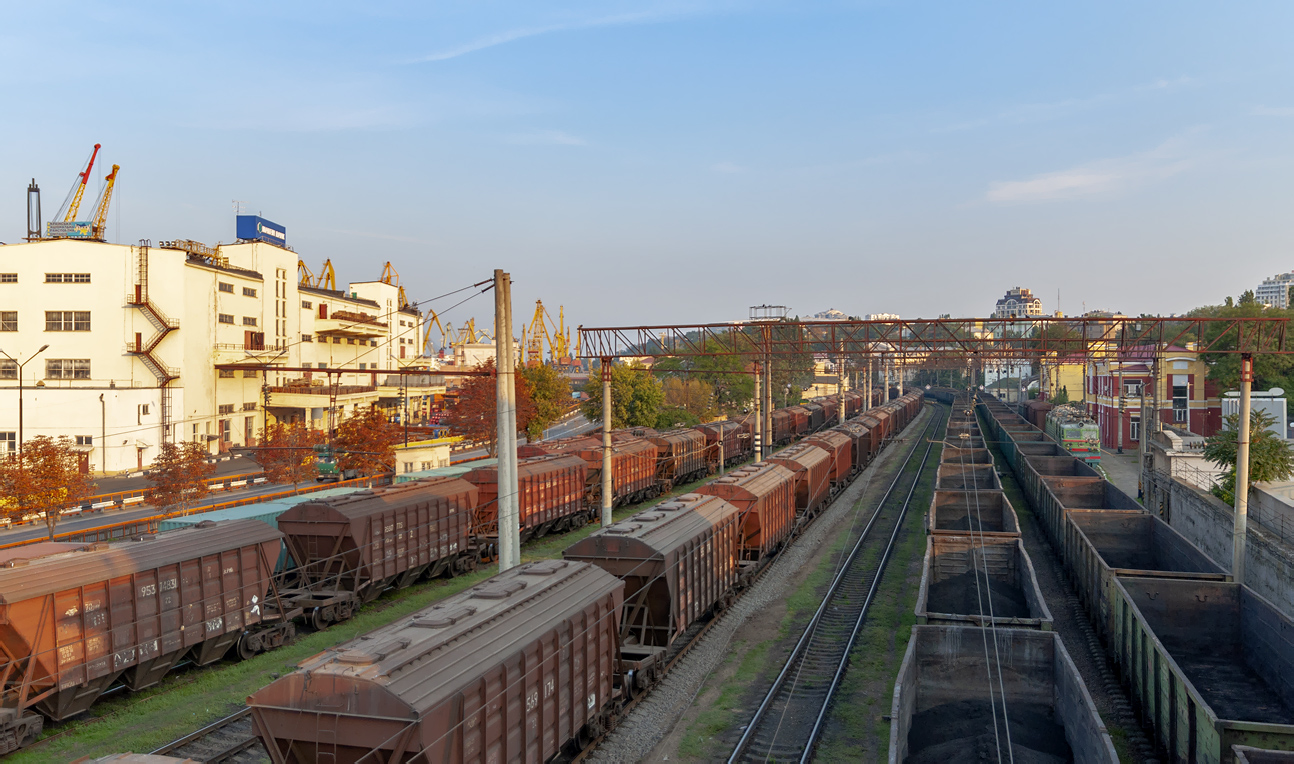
(43, 348)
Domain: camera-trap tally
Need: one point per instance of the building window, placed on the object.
(8, 278)
(1132, 389)
(224, 430)
(1181, 397)
(249, 320)
(225, 408)
(323, 365)
(85, 440)
(144, 409)
(8, 320)
(249, 292)
(249, 373)
(372, 342)
(307, 304)
(305, 365)
(222, 286)
(226, 373)
(1134, 428)
(307, 338)
(249, 406)
(66, 278)
(67, 320)
(67, 368)
(350, 340)
(8, 369)
(361, 367)
(225, 318)
(8, 442)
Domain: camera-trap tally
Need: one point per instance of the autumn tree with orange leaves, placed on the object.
(179, 476)
(45, 478)
(474, 416)
(365, 442)
(286, 452)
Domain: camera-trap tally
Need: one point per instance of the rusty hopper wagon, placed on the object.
(680, 456)
(841, 448)
(677, 560)
(765, 494)
(550, 496)
(633, 465)
(735, 445)
(74, 623)
(812, 468)
(427, 689)
(350, 548)
(860, 439)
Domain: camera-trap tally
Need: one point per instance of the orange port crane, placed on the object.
(99, 231)
(72, 204)
(539, 334)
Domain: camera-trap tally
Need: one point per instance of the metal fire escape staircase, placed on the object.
(162, 326)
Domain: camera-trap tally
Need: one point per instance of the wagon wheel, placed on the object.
(318, 620)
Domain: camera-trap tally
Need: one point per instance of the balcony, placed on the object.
(237, 353)
(303, 394)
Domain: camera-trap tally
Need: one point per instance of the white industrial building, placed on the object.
(138, 341)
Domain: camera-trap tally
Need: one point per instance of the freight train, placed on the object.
(79, 619)
(540, 659)
(1206, 661)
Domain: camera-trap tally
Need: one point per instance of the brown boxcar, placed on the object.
(861, 442)
(677, 560)
(817, 415)
(882, 426)
(765, 494)
(801, 417)
(736, 446)
(75, 623)
(507, 671)
(350, 548)
(812, 468)
(841, 449)
(830, 409)
(784, 426)
(853, 403)
(680, 456)
(633, 465)
(551, 496)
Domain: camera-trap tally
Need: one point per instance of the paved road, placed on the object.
(235, 466)
(115, 517)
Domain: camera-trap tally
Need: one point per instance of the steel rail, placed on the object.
(204, 731)
(810, 631)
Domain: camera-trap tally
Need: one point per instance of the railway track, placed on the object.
(788, 721)
(227, 741)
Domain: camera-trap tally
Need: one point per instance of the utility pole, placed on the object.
(1241, 530)
(607, 496)
(768, 402)
(759, 418)
(505, 425)
(1119, 427)
(840, 386)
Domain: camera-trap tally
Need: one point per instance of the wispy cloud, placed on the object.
(521, 33)
(545, 138)
(1095, 178)
(1044, 112)
(1274, 111)
(727, 168)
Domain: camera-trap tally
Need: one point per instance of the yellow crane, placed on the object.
(432, 320)
(555, 335)
(390, 276)
(72, 204)
(533, 339)
(327, 278)
(101, 209)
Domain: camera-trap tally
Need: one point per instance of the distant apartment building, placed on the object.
(830, 314)
(1275, 291)
(1018, 303)
(883, 317)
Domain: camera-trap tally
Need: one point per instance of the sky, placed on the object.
(676, 162)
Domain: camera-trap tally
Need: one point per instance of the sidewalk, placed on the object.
(1122, 469)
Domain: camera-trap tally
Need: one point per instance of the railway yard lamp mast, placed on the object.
(606, 443)
(20, 366)
(1242, 472)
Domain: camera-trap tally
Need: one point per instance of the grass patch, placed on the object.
(720, 715)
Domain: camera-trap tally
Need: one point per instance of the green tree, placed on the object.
(1270, 370)
(1061, 397)
(1269, 457)
(671, 417)
(551, 394)
(732, 389)
(636, 396)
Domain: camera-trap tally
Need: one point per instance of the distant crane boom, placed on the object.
(72, 204)
(101, 209)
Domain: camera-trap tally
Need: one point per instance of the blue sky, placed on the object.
(679, 161)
